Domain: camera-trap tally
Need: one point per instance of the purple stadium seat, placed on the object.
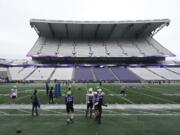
(104, 74)
(83, 74)
(124, 74)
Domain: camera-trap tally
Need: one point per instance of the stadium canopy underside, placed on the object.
(97, 30)
(98, 41)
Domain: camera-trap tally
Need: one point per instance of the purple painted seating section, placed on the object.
(104, 74)
(124, 74)
(83, 74)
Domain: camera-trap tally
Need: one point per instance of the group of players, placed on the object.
(94, 101)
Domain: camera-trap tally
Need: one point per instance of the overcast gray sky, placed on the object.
(17, 37)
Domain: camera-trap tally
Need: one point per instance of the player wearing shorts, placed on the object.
(13, 94)
(98, 105)
(69, 107)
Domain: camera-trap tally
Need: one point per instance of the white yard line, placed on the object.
(53, 111)
(21, 110)
(164, 111)
(4, 95)
(125, 99)
(19, 98)
(81, 111)
(107, 115)
(144, 112)
(169, 101)
(30, 90)
(4, 113)
(111, 111)
(129, 101)
(133, 111)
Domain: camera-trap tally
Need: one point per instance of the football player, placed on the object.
(99, 95)
(89, 102)
(69, 107)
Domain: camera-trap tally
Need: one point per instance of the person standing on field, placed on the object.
(35, 103)
(51, 100)
(99, 95)
(89, 102)
(69, 107)
(13, 94)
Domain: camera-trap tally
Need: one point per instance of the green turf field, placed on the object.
(114, 122)
(144, 94)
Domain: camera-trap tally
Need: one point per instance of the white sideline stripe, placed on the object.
(167, 111)
(120, 114)
(111, 111)
(21, 110)
(144, 112)
(83, 106)
(83, 111)
(138, 111)
(53, 111)
(52, 107)
(169, 101)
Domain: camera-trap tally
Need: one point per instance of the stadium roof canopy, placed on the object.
(97, 30)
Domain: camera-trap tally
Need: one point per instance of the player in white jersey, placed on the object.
(89, 102)
(13, 94)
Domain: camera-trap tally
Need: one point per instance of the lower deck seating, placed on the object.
(3, 73)
(40, 74)
(167, 74)
(124, 74)
(145, 74)
(103, 74)
(175, 70)
(14, 73)
(92, 74)
(62, 74)
(83, 74)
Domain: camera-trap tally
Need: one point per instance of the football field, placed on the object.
(140, 94)
(114, 122)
